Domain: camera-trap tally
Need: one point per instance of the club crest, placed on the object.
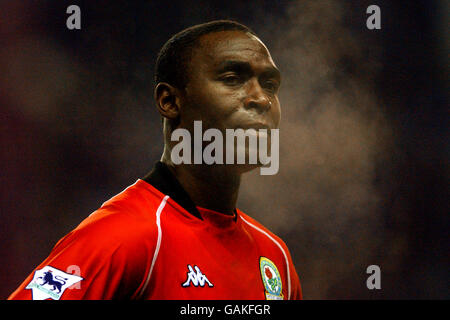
(271, 279)
(50, 282)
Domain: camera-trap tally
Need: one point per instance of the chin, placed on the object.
(244, 168)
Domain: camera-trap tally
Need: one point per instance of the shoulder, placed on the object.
(112, 248)
(127, 220)
(264, 232)
(267, 240)
(274, 244)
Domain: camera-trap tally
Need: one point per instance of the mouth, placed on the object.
(255, 125)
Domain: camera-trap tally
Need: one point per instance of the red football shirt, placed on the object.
(142, 244)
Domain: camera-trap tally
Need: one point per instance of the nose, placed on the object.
(256, 97)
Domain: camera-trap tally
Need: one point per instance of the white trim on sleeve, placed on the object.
(158, 244)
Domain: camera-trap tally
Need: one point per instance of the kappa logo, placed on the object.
(50, 282)
(197, 278)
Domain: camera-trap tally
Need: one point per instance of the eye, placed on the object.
(231, 79)
(270, 85)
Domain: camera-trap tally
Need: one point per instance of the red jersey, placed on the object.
(151, 242)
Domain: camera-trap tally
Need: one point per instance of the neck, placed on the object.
(209, 186)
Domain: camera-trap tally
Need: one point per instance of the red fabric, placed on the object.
(116, 245)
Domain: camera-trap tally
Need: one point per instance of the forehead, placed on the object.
(217, 47)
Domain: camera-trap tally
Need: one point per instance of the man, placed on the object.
(177, 234)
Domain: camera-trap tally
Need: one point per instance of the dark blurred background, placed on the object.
(364, 141)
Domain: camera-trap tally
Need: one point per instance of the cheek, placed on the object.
(212, 103)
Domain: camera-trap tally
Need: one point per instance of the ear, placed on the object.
(167, 100)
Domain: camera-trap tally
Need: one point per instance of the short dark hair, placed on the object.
(175, 55)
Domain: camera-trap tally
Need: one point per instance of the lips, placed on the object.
(254, 125)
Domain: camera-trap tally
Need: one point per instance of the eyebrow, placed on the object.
(245, 67)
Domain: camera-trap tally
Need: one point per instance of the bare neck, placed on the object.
(209, 186)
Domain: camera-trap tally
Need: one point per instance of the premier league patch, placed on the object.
(271, 279)
(50, 282)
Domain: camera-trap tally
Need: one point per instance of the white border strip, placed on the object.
(282, 250)
(158, 243)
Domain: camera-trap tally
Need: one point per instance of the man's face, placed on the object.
(232, 83)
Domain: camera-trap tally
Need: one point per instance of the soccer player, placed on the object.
(176, 233)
